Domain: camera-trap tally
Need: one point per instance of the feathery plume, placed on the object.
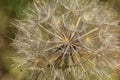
(68, 40)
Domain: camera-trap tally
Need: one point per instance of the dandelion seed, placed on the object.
(69, 44)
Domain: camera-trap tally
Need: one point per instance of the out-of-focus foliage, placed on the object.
(9, 9)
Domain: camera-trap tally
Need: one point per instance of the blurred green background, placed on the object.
(9, 9)
(12, 9)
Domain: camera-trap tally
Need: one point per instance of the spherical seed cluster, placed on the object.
(68, 40)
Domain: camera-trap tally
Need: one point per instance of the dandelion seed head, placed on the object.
(68, 39)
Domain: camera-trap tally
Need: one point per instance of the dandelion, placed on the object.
(68, 40)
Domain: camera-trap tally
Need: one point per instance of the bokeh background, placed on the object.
(13, 9)
(9, 9)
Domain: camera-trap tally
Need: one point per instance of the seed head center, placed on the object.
(67, 40)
